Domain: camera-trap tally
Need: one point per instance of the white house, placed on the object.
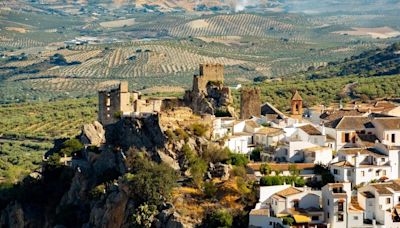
(340, 209)
(361, 165)
(381, 203)
(276, 202)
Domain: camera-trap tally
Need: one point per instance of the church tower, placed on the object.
(296, 105)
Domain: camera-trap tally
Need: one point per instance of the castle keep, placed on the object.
(250, 103)
(208, 73)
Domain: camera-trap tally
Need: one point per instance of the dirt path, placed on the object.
(347, 89)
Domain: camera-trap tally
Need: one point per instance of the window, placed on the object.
(384, 172)
(387, 200)
(377, 173)
(399, 199)
(355, 217)
(270, 223)
(349, 173)
(295, 203)
(335, 171)
(340, 218)
(315, 218)
(363, 173)
(393, 138)
(327, 215)
(340, 206)
(382, 159)
(327, 202)
(347, 137)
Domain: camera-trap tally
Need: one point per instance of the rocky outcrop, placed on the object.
(217, 99)
(219, 170)
(137, 132)
(93, 134)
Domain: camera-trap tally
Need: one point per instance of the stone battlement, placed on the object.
(208, 72)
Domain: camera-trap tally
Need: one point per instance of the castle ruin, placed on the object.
(208, 94)
(115, 102)
(250, 103)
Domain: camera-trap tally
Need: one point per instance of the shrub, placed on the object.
(150, 182)
(144, 215)
(198, 129)
(218, 218)
(181, 134)
(238, 159)
(242, 185)
(117, 115)
(216, 154)
(170, 134)
(256, 154)
(271, 180)
(198, 168)
(71, 147)
(265, 169)
(97, 191)
(288, 221)
(209, 189)
(239, 171)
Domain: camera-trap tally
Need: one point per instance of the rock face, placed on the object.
(217, 99)
(138, 132)
(219, 170)
(93, 134)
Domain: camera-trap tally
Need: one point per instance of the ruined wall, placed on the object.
(208, 72)
(250, 103)
(109, 104)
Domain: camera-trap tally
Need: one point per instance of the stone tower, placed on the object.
(296, 105)
(250, 103)
(208, 72)
(113, 102)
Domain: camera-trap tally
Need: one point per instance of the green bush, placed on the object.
(265, 169)
(144, 215)
(209, 189)
(218, 218)
(256, 154)
(239, 171)
(288, 221)
(71, 147)
(216, 154)
(181, 134)
(198, 129)
(238, 159)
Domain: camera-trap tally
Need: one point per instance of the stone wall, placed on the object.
(250, 103)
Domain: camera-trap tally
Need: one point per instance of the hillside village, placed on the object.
(348, 157)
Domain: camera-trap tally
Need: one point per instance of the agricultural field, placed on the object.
(151, 47)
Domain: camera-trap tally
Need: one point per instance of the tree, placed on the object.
(210, 189)
(144, 215)
(198, 168)
(150, 182)
(293, 170)
(71, 147)
(256, 154)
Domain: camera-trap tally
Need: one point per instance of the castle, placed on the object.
(208, 73)
(116, 102)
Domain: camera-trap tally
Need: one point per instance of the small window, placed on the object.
(393, 138)
(377, 173)
(335, 171)
(384, 172)
(327, 202)
(355, 217)
(340, 218)
(363, 173)
(387, 200)
(382, 159)
(314, 218)
(270, 223)
(327, 215)
(347, 137)
(340, 206)
(399, 199)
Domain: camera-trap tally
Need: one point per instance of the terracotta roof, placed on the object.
(387, 187)
(367, 140)
(296, 96)
(367, 194)
(337, 114)
(288, 192)
(282, 166)
(351, 123)
(370, 151)
(342, 164)
(270, 131)
(389, 123)
(252, 123)
(310, 129)
(264, 212)
(385, 105)
(354, 205)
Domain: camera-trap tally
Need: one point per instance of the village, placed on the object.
(356, 148)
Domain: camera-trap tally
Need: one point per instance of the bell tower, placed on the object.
(296, 105)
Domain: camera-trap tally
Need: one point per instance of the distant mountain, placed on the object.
(375, 62)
